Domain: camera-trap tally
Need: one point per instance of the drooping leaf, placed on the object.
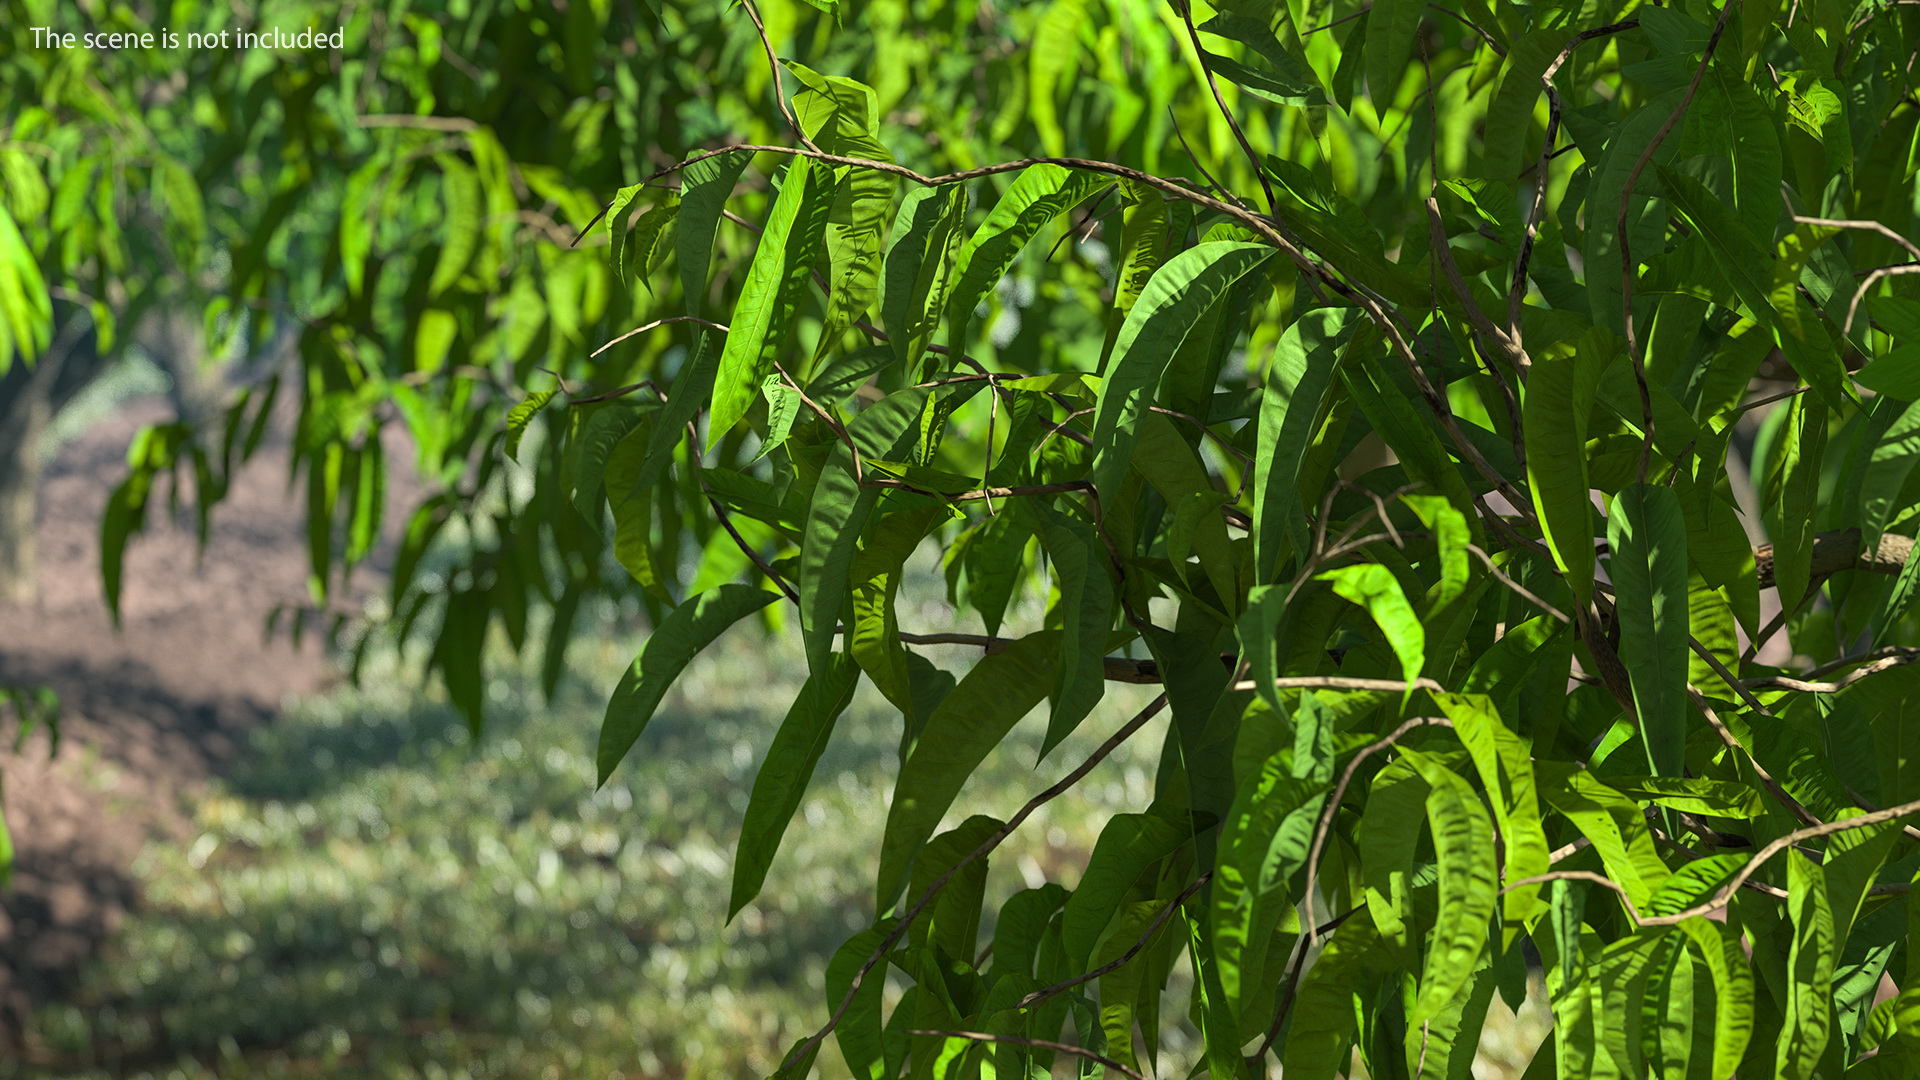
(964, 728)
(1809, 1000)
(1041, 193)
(1301, 375)
(1373, 587)
(1180, 293)
(839, 510)
(782, 779)
(1469, 879)
(1506, 771)
(1080, 564)
(781, 266)
(921, 265)
(1649, 569)
(1560, 395)
(690, 628)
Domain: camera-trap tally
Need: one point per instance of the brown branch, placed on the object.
(708, 323)
(1752, 866)
(1837, 551)
(1872, 277)
(1126, 732)
(1469, 24)
(1061, 488)
(423, 123)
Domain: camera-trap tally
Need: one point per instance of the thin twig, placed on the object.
(1200, 57)
(1872, 278)
(1038, 1044)
(708, 323)
(779, 84)
(1864, 225)
(1760, 772)
(1782, 682)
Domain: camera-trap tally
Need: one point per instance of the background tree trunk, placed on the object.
(30, 396)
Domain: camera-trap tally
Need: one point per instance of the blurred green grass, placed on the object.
(372, 894)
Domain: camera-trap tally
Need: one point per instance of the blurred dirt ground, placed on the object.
(149, 712)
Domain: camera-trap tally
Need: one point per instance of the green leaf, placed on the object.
(1041, 193)
(26, 309)
(1560, 396)
(783, 776)
(1295, 395)
(1889, 463)
(1080, 566)
(433, 339)
(781, 266)
(1896, 374)
(1128, 847)
(1374, 588)
(967, 724)
(639, 254)
(603, 430)
(1648, 537)
(842, 116)
(705, 186)
(1719, 948)
(690, 628)
(460, 199)
(1792, 517)
(839, 511)
(874, 636)
(1177, 297)
(1510, 111)
(1323, 1014)
(1390, 31)
(920, 267)
(1749, 270)
(616, 218)
(1054, 52)
(995, 559)
(1469, 880)
(522, 415)
(1505, 763)
(1265, 840)
(1809, 999)
(1256, 628)
(860, 1032)
(1616, 825)
(1143, 246)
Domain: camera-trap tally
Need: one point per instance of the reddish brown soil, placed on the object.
(150, 712)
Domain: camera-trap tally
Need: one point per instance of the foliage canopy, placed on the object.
(1403, 443)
